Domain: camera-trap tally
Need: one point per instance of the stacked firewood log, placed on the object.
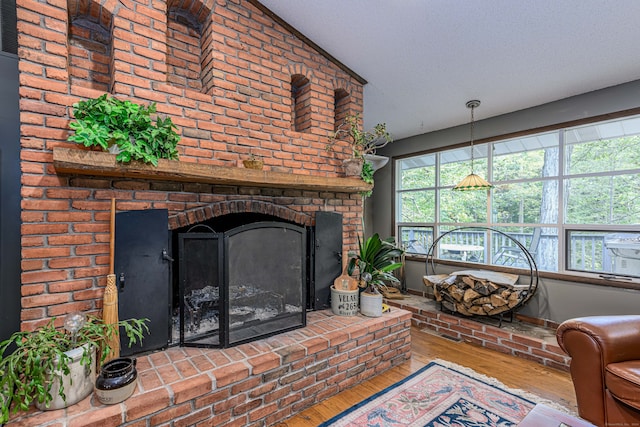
(475, 292)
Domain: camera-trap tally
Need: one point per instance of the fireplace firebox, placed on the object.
(225, 280)
(242, 284)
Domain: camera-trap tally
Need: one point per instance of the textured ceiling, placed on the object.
(424, 59)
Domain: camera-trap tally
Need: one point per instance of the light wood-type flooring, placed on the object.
(545, 382)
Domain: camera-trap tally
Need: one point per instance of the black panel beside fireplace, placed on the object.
(241, 284)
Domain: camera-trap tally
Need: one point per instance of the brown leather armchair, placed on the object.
(605, 367)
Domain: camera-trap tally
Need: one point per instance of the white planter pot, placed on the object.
(377, 162)
(77, 385)
(371, 304)
(344, 303)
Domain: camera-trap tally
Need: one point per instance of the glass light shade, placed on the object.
(472, 182)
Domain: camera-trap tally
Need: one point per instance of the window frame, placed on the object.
(564, 229)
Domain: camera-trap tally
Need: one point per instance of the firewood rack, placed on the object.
(525, 295)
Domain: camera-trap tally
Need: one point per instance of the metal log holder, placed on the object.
(533, 272)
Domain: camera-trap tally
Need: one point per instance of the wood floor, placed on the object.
(516, 373)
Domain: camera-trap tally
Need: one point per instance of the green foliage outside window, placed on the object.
(594, 188)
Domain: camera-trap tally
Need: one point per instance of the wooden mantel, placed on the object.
(76, 161)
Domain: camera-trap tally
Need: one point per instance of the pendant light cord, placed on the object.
(471, 137)
(472, 104)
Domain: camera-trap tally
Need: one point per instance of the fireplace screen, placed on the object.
(201, 281)
(243, 284)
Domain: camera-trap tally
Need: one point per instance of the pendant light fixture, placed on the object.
(472, 181)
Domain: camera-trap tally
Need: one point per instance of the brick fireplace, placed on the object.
(235, 79)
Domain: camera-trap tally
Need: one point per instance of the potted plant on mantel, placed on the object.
(363, 145)
(253, 162)
(375, 261)
(55, 368)
(124, 128)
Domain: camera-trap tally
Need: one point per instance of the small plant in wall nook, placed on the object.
(131, 131)
(253, 162)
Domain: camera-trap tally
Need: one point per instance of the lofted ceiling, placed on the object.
(424, 59)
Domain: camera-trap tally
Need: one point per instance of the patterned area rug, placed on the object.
(441, 394)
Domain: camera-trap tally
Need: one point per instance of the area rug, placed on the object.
(441, 394)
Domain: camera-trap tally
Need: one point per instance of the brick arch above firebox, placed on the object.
(203, 213)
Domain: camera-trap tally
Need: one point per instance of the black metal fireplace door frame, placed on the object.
(222, 243)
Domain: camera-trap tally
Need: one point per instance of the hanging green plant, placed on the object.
(367, 176)
(124, 128)
(362, 143)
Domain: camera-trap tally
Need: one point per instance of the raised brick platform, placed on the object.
(519, 338)
(255, 384)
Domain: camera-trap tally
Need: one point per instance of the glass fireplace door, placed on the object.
(201, 290)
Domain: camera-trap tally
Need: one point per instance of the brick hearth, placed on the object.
(522, 337)
(254, 384)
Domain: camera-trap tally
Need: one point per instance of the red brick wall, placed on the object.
(244, 106)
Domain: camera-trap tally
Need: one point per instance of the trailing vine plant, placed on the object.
(29, 360)
(367, 176)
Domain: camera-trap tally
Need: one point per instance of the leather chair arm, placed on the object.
(617, 337)
(594, 342)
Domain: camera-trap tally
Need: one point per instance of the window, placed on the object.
(569, 196)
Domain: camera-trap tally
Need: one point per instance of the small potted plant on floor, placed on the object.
(124, 128)
(375, 262)
(54, 367)
(363, 144)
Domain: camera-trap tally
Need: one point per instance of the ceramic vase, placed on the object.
(117, 380)
(353, 167)
(77, 385)
(344, 302)
(371, 304)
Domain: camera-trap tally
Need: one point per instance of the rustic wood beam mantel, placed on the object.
(75, 161)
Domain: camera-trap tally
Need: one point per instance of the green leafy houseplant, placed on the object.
(107, 122)
(375, 261)
(30, 362)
